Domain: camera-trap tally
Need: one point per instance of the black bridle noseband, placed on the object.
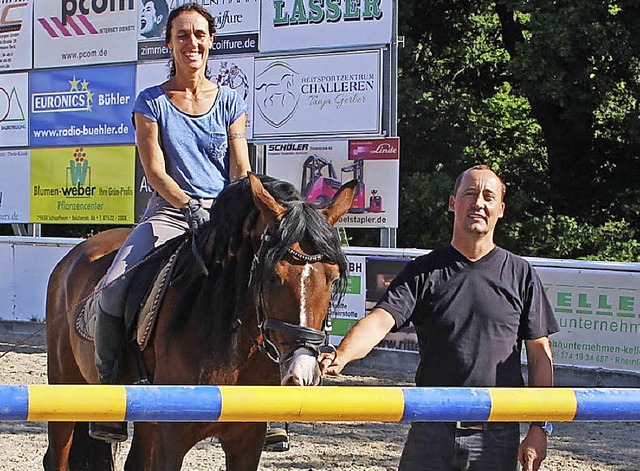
(309, 338)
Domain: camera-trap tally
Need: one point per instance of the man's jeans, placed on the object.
(446, 446)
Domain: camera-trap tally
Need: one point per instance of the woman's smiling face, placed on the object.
(190, 41)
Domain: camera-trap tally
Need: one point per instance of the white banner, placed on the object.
(318, 95)
(599, 316)
(236, 73)
(299, 24)
(318, 169)
(14, 110)
(16, 22)
(82, 32)
(14, 186)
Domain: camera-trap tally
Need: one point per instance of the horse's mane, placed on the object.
(229, 256)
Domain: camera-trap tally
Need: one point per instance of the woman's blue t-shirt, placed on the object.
(195, 147)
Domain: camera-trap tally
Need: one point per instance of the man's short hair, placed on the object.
(479, 167)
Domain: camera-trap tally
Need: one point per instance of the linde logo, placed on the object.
(385, 148)
(302, 12)
(78, 98)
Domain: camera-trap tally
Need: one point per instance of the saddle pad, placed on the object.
(150, 307)
(85, 324)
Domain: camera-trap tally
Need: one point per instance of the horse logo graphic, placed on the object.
(233, 77)
(276, 93)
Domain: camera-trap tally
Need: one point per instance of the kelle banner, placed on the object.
(80, 106)
(85, 185)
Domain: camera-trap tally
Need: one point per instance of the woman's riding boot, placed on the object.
(109, 350)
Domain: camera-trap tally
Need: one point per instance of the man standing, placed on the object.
(472, 304)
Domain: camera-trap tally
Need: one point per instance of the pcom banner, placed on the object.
(80, 32)
(84, 185)
(80, 106)
(15, 34)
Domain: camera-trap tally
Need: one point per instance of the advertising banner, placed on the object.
(352, 306)
(237, 24)
(90, 105)
(14, 186)
(82, 32)
(599, 316)
(87, 185)
(329, 24)
(318, 169)
(16, 21)
(318, 95)
(143, 190)
(236, 73)
(14, 108)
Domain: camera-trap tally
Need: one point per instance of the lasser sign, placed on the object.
(325, 24)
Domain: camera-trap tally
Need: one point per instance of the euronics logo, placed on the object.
(78, 98)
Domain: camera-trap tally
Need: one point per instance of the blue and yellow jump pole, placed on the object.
(82, 403)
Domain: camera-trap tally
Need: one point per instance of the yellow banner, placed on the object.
(83, 185)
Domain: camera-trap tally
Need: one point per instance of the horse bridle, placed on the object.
(312, 339)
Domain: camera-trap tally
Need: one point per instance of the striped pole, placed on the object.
(84, 403)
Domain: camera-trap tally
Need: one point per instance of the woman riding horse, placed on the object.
(249, 309)
(191, 139)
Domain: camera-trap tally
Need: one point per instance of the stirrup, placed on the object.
(112, 432)
(276, 439)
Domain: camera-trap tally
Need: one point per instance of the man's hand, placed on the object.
(533, 449)
(330, 364)
(195, 214)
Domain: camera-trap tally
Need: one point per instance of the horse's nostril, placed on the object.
(291, 380)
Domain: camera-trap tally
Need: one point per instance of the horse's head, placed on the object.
(298, 259)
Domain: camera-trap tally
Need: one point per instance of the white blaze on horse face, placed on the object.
(306, 272)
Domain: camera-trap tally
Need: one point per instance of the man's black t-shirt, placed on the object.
(470, 317)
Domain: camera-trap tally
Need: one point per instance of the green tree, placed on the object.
(520, 86)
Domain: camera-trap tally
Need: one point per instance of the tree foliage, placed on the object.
(546, 93)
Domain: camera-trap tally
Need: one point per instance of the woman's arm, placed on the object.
(238, 149)
(152, 159)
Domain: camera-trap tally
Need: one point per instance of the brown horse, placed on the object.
(259, 292)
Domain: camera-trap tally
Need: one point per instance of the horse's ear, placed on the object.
(341, 202)
(267, 205)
